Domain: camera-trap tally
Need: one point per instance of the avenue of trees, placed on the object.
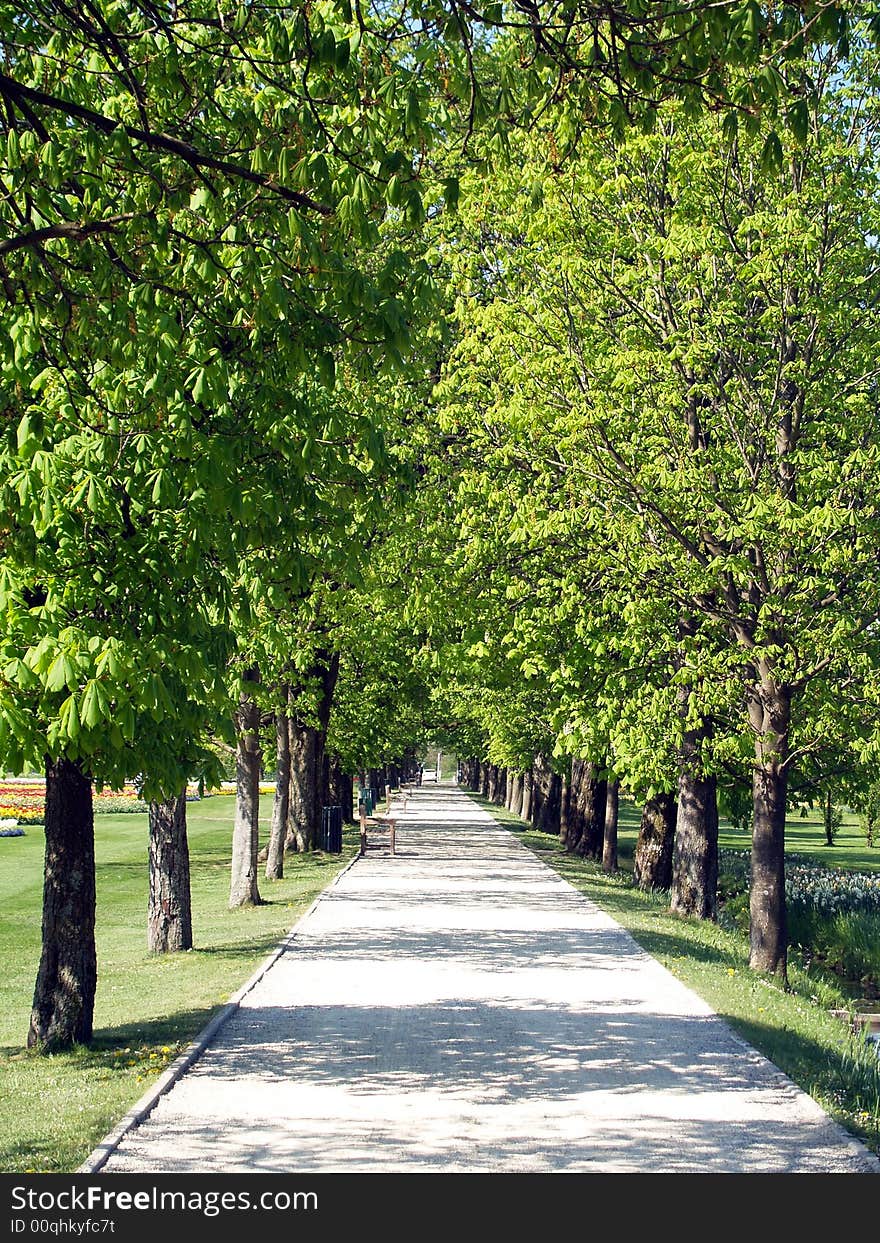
(507, 371)
(674, 470)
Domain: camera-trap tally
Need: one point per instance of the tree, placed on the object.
(699, 349)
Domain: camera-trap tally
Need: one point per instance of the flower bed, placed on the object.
(25, 801)
(833, 913)
(810, 887)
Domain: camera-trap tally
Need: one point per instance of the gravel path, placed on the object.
(461, 1007)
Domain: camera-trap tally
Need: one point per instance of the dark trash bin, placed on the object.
(331, 830)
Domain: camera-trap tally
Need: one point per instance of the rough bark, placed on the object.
(304, 787)
(308, 739)
(564, 802)
(609, 839)
(281, 805)
(538, 790)
(591, 798)
(568, 818)
(493, 783)
(348, 799)
(516, 794)
(525, 811)
(64, 995)
(169, 916)
(501, 793)
(547, 819)
(653, 859)
(770, 713)
(243, 889)
(341, 789)
(695, 853)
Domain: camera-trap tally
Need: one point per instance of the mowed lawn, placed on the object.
(54, 1109)
(803, 836)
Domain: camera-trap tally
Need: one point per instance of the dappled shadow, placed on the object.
(578, 949)
(462, 1007)
(507, 1050)
(476, 1085)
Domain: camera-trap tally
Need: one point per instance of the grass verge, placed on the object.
(794, 1030)
(54, 1109)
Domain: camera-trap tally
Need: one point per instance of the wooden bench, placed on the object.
(384, 821)
(388, 823)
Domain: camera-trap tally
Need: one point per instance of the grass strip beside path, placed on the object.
(54, 1109)
(794, 1030)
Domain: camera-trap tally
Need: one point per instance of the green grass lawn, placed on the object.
(802, 837)
(794, 1029)
(54, 1109)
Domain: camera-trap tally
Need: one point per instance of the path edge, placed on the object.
(142, 1108)
(858, 1150)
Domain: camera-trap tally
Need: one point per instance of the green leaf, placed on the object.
(62, 673)
(771, 154)
(798, 119)
(451, 191)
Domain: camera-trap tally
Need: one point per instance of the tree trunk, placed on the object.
(493, 783)
(653, 861)
(528, 792)
(64, 995)
(569, 819)
(485, 779)
(770, 714)
(347, 799)
(281, 805)
(516, 794)
(246, 832)
(538, 790)
(308, 778)
(695, 854)
(547, 819)
(592, 796)
(503, 781)
(304, 787)
(341, 791)
(609, 839)
(169, 918)
(564, 809)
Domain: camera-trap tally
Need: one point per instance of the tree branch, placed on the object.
(74, 229)
(17, 94)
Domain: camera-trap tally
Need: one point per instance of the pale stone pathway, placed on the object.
(461, 1007)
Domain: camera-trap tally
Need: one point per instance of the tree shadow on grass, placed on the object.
(179, 1027)
(849, 1072)
(176, 1028)
(660, 943)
